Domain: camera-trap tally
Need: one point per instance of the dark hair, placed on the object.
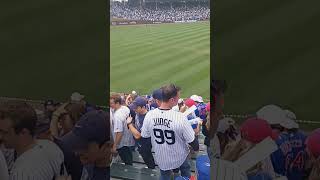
(169, 91)
(21, 114)
(116, 98)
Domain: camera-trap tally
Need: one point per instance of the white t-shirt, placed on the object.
(42, 162)
(170, 134)
(3, 168)
(120, 125)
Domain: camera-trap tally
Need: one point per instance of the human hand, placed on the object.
(60, 110)
(129, 119)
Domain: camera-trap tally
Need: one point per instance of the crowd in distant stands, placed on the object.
(163, 14)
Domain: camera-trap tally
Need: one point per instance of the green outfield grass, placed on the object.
(144, 57)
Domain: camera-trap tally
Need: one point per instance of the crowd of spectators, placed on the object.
(163, 14)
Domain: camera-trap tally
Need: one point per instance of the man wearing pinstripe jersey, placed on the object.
(34, 160)
(170, 135)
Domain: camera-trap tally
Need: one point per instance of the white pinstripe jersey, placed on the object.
(42, 162)
(120, 125)
(170, 134)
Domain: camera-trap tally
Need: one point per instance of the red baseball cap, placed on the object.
(208, 107)
(313, 143)
(189, 102)
(255, 130)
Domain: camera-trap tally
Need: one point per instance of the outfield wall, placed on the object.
(132, 22)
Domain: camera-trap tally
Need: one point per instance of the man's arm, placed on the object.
(136, 134)
(118, 130)
(117, 140)
(195, 144)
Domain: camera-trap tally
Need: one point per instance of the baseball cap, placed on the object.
(313, 143)
(224, 124)
(196, 98)
(134, 92)
(76, 97)
(288, 121)
(92, 127)
(200, 99)
(139, 101)
(189, 102)
(157, 94)
(271, 113)
(180, 101)
(255, 130)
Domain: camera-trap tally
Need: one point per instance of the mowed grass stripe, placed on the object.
(154, 33)
(191, 65)
(141, 52)
(144, 47)
(168, 55)
(148, 39)
(174, 57)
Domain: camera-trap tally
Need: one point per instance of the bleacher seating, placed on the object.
(140, 171)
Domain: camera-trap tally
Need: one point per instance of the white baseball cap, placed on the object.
(224, 124)
(134, 92)
(196, 98)
(288, 120)
(271, 113)
(76, 97)
(180, 101)
(200, 99)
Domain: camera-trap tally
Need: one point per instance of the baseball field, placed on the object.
(144, 57)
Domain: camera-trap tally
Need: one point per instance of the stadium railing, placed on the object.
(38, 104)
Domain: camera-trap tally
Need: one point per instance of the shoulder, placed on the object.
(122, 112)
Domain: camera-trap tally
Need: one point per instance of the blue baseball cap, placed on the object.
(157, 94)
(92, 127)
(139, 101)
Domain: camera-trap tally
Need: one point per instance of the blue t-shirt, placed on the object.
(201, 111)
(192, 116)
(289, 160)
(139, 121)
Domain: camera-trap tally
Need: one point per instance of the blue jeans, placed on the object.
(185, 170)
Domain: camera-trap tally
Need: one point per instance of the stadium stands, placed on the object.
(162, 14)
